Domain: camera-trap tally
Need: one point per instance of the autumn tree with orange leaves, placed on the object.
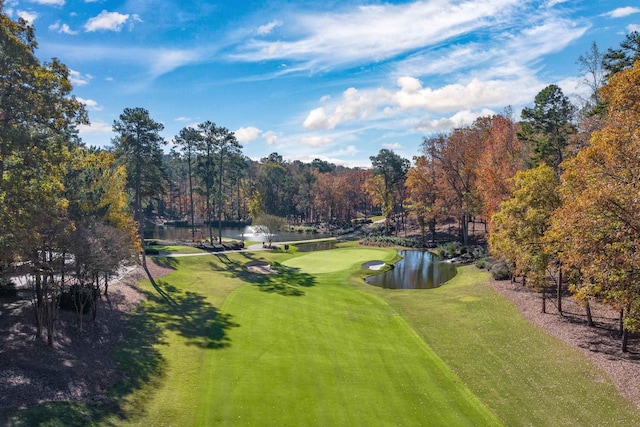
(596, 230)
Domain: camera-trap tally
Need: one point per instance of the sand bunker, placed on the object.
(260, 267)
(374, 265)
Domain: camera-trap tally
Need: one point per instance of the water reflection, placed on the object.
(417, 270)
(184, 233)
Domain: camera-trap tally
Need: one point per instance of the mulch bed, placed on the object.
(79, 366)
(600, 344)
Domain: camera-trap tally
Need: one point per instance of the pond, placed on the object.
(169, 232)
(417, 270)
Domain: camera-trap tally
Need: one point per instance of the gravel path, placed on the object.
(601, 344)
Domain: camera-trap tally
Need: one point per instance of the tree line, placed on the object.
(556, 189)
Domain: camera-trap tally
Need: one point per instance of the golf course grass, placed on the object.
(291, 349)
(215, 344)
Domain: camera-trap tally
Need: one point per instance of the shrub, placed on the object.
(7, 288)
(393, 241)
(482, 263)
(500, 271)
(71, 296)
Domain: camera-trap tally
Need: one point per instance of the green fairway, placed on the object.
(293, 349)
(332, 357)
(525, 375)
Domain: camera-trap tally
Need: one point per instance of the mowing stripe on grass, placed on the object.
(333, 356)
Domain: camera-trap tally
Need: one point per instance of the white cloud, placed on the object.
(182, 119)
(633, 27)
(90, 104)
(62, 28)
(78, 79)
(355, 105)
(167, 60)
(331, 39)
(30, 17)
(107, 21)
(97, 127)
(394, 146)
(451, 97)
(268, 28)
(156, 61)
(270, 137)
(247, 134)
(505, 54)
(49, 2)
(318, 119)
(459, 119)
(621, 12)
(317, 141)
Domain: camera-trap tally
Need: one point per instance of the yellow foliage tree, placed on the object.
(596, 230)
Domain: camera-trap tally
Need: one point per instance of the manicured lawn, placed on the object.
(328, 356)
(525, 375)
(292, 349)
(217, 345)
(176, 249)
(335, 260)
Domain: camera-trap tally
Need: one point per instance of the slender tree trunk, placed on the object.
(589, 318)
(219, 201)
(39, 303)
(559, 290)
(625, 340)
(544, 299)
(621, 322)
(193, 225)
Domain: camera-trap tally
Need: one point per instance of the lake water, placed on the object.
(417, 270)
(184, 233)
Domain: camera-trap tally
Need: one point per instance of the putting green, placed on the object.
(337, 259)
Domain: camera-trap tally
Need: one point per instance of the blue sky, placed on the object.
(336, 80)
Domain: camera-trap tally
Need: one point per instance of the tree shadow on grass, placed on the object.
(286, 281)
(168, 262)
(139, 364)
(190, 315)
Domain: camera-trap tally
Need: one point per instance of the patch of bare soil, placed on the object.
(79, 367)
(601, 343)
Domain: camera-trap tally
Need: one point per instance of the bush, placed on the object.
(70, 297)
(482, 263)
(151, 251)
(393, 241)
(501, 271)
(7, 288)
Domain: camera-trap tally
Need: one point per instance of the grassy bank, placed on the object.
(525, 375)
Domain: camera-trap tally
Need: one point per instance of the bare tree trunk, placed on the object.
(559, 290)
(544, 299)
(589, 318)
(622, 329)
(38, 303)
